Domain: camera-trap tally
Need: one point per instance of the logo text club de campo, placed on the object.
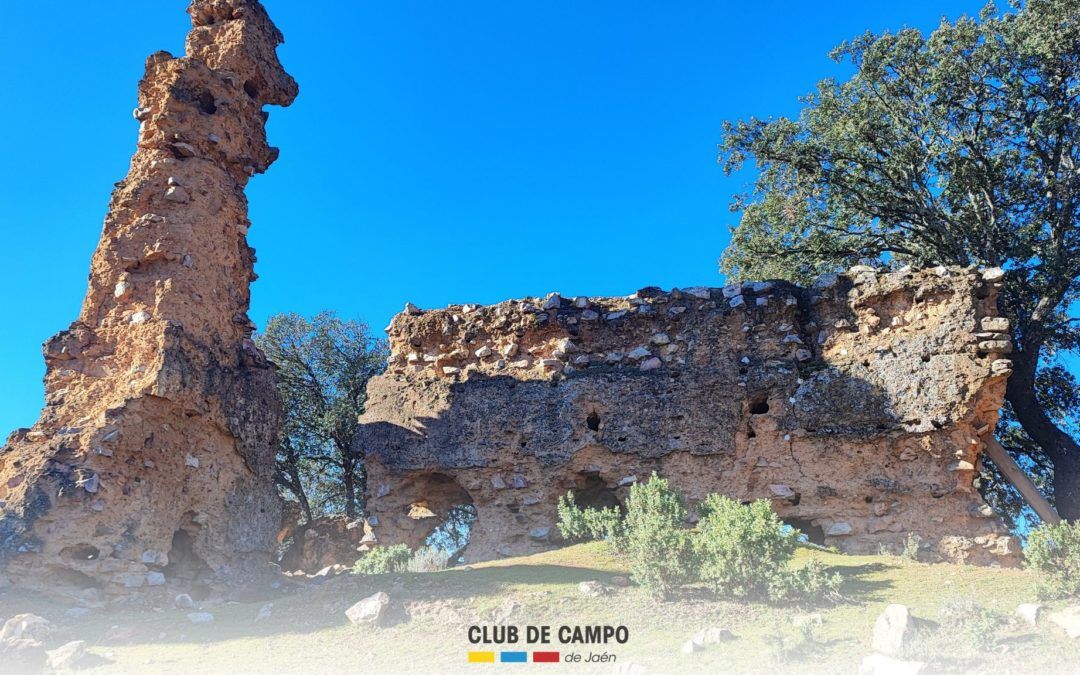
(545, 636)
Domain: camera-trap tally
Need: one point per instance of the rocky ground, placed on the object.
(423, 622)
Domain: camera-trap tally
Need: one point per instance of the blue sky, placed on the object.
(439, 152)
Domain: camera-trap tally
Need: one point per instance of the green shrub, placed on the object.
(743, 549)
(572, 519)
(746, 551)
(1053, 552)
(966, 622)
(383, 560)
(428, 559)
(652, 538)
(911, 547)
(578, 524)
(811, 582)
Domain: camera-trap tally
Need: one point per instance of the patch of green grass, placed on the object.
(430, 613)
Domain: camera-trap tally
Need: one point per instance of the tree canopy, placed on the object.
(323, 366)
(960, 147)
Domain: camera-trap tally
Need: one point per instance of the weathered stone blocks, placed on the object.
(858, 406)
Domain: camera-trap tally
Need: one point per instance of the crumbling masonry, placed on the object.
(858, 406)
(153, 458)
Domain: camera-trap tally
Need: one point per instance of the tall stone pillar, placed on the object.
(153, 459)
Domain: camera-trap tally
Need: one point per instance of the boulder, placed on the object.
(1029, 613)
(369, 611)
(691, 646)
(713, 635)
(593, 589)
(893, 630)
(69, 657)
(184, 601)
(27, 627)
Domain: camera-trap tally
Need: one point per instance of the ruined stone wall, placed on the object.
(858, 406)
(154, 456)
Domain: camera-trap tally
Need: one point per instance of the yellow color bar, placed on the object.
(481, 657)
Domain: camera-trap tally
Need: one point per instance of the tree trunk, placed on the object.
(1063, 451)
(349, 480)
(1021, 481)
(301, 496)
(287, 475)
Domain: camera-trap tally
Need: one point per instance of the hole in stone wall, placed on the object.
(184, 562)
(251, 90)
(593, 421)
(596, 494)
(81, 552)
(807, 530)
(206, 103)
(759, 405)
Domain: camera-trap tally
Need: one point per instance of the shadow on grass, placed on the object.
(305, 608)
(320, 605)
(858, 584)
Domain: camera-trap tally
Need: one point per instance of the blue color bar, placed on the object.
(514, 657)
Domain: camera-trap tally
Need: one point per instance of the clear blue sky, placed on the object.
(439, 152)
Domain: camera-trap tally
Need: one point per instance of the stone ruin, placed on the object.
(153, 459)
(859, 407)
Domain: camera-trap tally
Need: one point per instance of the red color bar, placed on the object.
(545, 657)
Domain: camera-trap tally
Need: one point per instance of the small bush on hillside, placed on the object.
(1053, 551)
(964, 630)
(972, 625)
(811, 582)
(653, 539)
(911, 547)
(578, 524)
(428, 559)
(742, 551)
(383, 560)
(746, 551)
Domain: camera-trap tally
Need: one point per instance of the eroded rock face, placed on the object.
(154, 456)
(857, 406)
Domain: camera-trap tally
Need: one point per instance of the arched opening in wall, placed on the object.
(448, 515)
(185, 563)
(451, 535)
(808, 532)
(594, 493)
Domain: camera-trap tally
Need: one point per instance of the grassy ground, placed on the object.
(307, 631)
